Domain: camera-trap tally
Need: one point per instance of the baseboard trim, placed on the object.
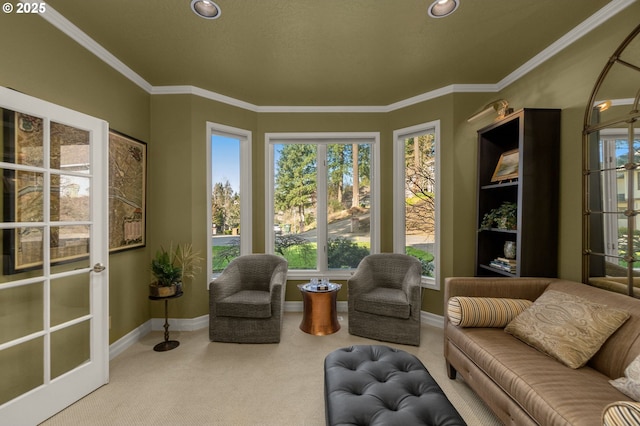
(181, 324)
(122, 344)
(432, 319)
(193, 324)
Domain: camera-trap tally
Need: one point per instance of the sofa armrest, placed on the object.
(621, 413)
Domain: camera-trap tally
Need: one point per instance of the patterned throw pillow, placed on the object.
(569, 328)
(484, 311)
(619, 413)
(630, 383)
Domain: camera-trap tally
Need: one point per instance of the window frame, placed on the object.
(322, 138)
(399, 213)
(246, 220)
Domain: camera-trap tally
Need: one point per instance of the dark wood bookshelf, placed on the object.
(536, 134)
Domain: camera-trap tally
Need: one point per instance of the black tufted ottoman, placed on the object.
(379, 385)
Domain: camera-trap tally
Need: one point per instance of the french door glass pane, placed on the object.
(70, 243)
(76, 337)
(69, 298)
(348, 204)
(70, 198)
(225, 200)
(70, 148)
(24, 247)
(20, 312)
(23, 140)
(295, 204)
(21, 369)
(420, 184)
(25, 191)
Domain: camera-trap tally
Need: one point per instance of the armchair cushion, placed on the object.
(245, 304)
(389, 302)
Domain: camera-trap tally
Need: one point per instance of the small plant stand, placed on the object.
(167, 344)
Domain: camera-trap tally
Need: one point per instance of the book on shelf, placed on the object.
(507, 261)
(508, 266)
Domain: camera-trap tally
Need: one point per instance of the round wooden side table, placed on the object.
(167, 344)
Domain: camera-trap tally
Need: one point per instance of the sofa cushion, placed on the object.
(389, 302)
(566, 327)
(484, 311)
(550, 392)
(630, 383)
(245, 304)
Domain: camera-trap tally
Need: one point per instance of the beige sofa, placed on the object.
(522, 385)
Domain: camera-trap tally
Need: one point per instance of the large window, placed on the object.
(416, 187)
(322, 201)
(228, 190)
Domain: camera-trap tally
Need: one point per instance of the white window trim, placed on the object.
(323, 138)
(399, 240)
(244, 136)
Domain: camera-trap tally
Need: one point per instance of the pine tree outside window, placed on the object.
(322, 201)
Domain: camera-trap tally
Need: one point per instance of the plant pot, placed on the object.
(162, 291)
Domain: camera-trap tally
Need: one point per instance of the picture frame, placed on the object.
(507, 167)
(127, 192)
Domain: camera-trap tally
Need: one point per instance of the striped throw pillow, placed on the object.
(621, 413)
(484, 311)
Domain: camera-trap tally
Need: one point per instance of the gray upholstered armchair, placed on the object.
(246, 301)
(384, 298)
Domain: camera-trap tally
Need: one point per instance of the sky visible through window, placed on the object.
(225, 161)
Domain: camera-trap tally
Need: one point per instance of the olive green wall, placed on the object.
(56, 69)
(177, 197)
(566, 82)
(40, 61)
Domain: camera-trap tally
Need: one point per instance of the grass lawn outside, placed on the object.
(305, 256)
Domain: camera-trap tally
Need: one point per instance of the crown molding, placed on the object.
(63, 24)
(447, 90)
(566, 40)
(203, 93)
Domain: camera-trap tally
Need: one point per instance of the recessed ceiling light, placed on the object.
(205, 9)
(442, 8)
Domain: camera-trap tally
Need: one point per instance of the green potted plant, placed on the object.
(171, 267)
(503, 217)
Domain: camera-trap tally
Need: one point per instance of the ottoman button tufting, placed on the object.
(393, 387)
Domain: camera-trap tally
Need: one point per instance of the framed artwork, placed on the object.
(127, 192)
(507, 167)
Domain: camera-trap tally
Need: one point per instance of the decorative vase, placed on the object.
(510, 249)
(162, 291)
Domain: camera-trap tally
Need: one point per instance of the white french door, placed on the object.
(54, 346)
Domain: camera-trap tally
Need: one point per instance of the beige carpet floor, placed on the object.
(206, 383)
